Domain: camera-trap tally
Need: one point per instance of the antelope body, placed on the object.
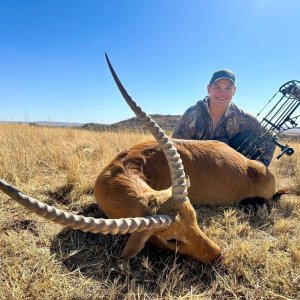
(145, 190)
(136, 183)
(218, 175)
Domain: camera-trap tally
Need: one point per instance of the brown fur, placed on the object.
(136, 183)
(218, 176)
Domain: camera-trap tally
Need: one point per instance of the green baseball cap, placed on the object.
(223, 74)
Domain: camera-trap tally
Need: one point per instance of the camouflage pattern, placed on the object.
(196, 124)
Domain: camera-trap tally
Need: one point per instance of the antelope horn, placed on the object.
(179, 186)
(87, 224)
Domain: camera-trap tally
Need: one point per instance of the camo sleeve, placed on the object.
(183, 129)
(190, 126)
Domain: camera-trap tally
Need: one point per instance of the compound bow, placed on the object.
(276, 121)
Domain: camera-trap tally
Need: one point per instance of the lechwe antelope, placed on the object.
(135, 190)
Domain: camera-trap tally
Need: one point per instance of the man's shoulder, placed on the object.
(239, 111)
(236, 108)
(198, 107)
(244, 118)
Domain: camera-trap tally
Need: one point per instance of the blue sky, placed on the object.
(52, 64)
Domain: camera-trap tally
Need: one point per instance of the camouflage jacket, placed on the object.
(196, 124)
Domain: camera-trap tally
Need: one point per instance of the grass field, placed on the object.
(42, 260)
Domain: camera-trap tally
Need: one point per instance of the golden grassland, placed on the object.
(42, 260)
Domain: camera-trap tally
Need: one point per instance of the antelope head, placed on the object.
(175, 226)
(183, 233)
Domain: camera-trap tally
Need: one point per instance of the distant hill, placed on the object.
(166, 122)
(294, 131)
(291, 134)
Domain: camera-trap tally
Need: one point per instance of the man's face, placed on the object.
(221, 93)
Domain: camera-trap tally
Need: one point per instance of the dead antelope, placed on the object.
(145, 190)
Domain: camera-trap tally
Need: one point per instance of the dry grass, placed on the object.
(41, 260)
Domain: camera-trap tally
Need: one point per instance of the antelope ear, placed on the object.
(135, 244)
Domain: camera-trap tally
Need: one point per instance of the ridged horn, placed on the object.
(87, 224)
(179, 186)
